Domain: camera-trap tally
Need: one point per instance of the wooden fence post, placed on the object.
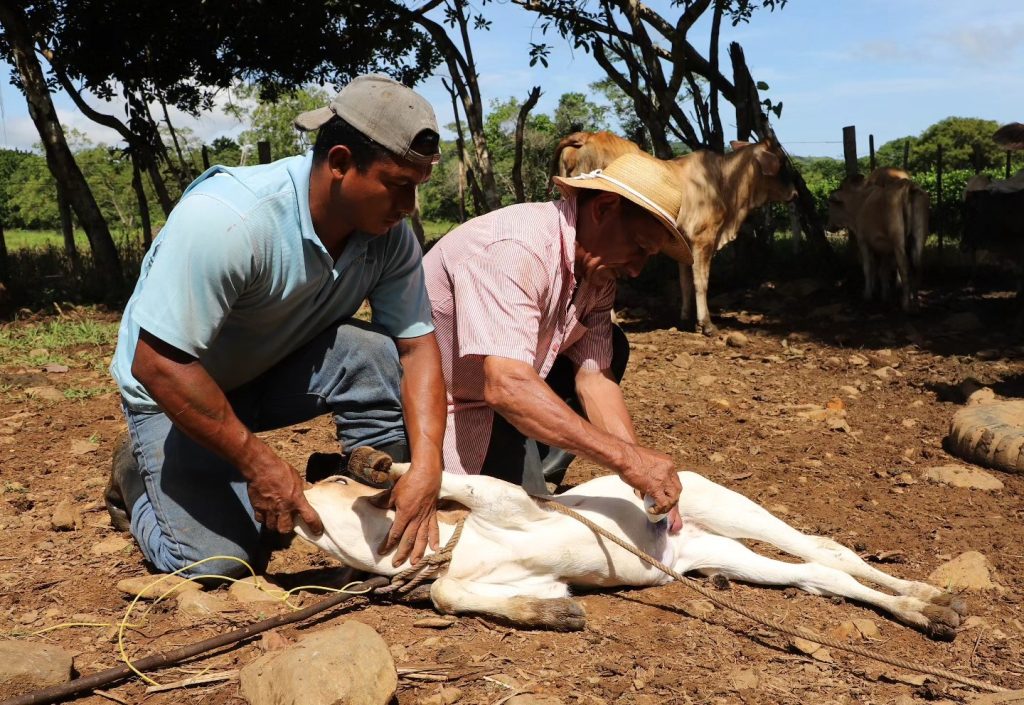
(906, 155)
(871, 151)
(206, 158)
(263, 147)
(938, 197)
(850, 149)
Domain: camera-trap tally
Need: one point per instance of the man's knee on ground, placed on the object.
(235, 565)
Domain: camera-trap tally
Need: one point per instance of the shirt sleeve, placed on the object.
(399, 301)
(593, 351)
(497, 295)
(202, 262)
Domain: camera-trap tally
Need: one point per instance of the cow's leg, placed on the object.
(722, 511)
(505, 602)
(728, 557)
(701, 274)
(885, 272)
(906, 282)
(867, 264)
(686, 312)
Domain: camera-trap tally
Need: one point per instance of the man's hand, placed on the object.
(275, 490)
(414, 499)
(653, 474)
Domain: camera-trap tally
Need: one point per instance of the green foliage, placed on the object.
(966, 144)
(575, 112)
(271, 121)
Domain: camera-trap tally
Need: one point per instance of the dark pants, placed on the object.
(523, 461)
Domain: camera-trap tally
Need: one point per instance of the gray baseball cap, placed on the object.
(389, 113)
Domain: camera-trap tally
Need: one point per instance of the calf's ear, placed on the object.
(737, 144)
(769, 162)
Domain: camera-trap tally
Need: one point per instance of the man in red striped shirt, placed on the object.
(528, 289)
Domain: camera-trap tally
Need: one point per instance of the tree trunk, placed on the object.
(464, 82)
(140, 195)
(67, 228)
(4, 264)
(460, 143)
(517, 166)
(58, 155)
(186, 173)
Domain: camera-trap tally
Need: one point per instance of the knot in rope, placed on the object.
(406, 580)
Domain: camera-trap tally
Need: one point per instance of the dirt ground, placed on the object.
(736, 414)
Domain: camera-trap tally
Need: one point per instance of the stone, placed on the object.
(447, 696)
(45, 393)
(109, 545)
(698, 609)
(736, 340)
(531, 699)
(849, 390)
(66, 517)
(683, 361)
(26, 666)
(963, 477)
(968, 571)
(858, 360)
(198, 604)
(81, 446)
(347, 664)
(743, 679)
(257, 589)
(705, 380)
(981, 396)
(867, 628)
(814, 650)
(150, 587)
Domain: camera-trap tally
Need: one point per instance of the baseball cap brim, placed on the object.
(313, 119)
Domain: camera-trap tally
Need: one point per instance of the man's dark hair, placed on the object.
(629, 209)
(338, 132)
(364, 150)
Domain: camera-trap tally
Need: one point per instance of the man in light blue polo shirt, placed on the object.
(241, 321)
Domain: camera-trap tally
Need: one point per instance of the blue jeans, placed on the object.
(196, 505)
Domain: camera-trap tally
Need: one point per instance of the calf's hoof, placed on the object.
(707, 328)
(942, 622)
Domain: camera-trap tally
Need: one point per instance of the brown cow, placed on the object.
(719, 191)
(582, 152)
(887, 215)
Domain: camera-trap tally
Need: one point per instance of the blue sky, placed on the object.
(890, 67)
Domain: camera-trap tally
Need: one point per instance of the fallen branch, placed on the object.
(194, 680)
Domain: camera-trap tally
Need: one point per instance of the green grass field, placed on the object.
(41, 239)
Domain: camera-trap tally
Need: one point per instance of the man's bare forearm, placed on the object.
(423, 400)
(194, 402)
(603, 403)
(518, 393)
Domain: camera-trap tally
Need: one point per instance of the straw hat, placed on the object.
(640, 178)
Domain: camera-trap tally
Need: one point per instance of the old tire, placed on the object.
(990, 434)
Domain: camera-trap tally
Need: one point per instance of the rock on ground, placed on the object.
(530, 699)
(150, 587)
(348, 664)
(26, 666)
(968, 571)
(965, 477)
(256, 589)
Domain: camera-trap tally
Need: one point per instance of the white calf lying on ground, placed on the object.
(516, 561)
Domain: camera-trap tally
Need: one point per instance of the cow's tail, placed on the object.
(573, 142)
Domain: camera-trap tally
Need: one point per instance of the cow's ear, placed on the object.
(769, 162)
(737, 144)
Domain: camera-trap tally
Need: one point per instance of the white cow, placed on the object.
(516, 561)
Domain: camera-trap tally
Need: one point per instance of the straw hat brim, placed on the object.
(569, 186)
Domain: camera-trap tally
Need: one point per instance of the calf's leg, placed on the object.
(727, 513)
(686, 309)
(728, 557)
(701, 274)
(502, 602)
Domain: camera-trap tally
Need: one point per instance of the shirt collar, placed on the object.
(567, 209)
